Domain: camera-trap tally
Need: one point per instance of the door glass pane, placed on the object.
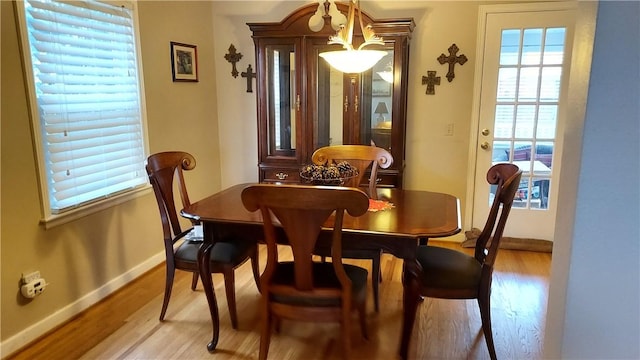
(500, 151)
(281, 100)
(328, 122)
(507, 84)
(510, 47)
(547, 120)
(528, 86)
(543, 153)
(550, 84)
(554, 46)
(503, 127)
(531, 46)
(526, 120)
(379, 114)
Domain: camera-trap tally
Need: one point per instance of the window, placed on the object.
(86, 103)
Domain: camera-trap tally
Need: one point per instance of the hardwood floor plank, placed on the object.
(125, 325)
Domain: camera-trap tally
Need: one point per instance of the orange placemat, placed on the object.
(379, 205)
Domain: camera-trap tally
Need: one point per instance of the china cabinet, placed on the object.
(304, 104)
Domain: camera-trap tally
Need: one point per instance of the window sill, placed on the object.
(54, 220)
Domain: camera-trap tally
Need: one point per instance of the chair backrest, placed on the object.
(507, 178)
(162, 169)
(361, 157)
(302, 211)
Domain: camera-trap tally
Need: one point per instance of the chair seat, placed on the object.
(323, 277)
(448, 269)
(227, 251)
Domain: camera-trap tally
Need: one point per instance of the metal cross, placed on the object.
(250, 75)
(452, 59)
(431, 80)
(233, 57)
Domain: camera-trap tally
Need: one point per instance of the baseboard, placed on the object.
(511, 243)
(24, 337)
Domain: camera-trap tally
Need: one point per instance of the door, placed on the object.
(525, 70)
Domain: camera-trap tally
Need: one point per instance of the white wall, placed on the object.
(594, 304)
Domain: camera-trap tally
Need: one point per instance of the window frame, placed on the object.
(48, 217)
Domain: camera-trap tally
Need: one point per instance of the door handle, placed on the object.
(485, 132)
(484, 145)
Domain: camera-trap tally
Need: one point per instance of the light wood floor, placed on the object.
(126, 326)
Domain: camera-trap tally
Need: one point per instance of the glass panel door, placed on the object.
(522, 102)
(526, 110)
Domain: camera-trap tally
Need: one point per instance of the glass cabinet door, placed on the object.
(351, 108)
(326, 98)
(283, 100)
(377, 118)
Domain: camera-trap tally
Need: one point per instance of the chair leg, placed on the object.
(362, 314)
(255, 265)
(376, 279)
(229, 288)
(265, 334)
(194, 281)
(485, 315)
(277, 323)
(167, 291)
(346, 332)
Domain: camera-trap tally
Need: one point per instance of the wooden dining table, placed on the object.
(410, 218)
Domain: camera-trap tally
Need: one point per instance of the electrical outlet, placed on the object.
(449, 130)
(30, 277)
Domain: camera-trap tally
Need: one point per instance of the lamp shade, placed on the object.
(381, 108)
(386, 75)
(353, 61)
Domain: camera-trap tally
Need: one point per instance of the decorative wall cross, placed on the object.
(233, 57)
(431, 80)
(250, 75)
(452, 59)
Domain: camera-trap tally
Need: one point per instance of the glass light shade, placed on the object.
(353, 61)
(386, 76)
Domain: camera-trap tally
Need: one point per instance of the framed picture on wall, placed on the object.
(184, 62)
(380, 88)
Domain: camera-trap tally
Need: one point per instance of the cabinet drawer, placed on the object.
(281, 175)
(388, 180)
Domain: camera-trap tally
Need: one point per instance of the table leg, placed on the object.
(411, 298)
(205, 275)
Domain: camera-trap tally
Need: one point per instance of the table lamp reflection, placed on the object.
(381, 110)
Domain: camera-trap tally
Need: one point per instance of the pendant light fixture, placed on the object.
(350, 60)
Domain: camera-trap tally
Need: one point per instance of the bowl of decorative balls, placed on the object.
(331, 174)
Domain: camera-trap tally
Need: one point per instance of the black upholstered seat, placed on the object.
(164, 169)
(304, 289)
(324, 277)
(446, 268)
(450, 274)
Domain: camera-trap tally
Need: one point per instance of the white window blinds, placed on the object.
(85, 70)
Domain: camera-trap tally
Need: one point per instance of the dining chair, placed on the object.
(226, 255)
(304, 289)
(362, 157)
(450, 274)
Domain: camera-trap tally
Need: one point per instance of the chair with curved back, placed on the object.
(362, 157)
(450, 274)
(304, 289)
(226, 255)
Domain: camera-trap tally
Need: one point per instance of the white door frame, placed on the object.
(578, 80)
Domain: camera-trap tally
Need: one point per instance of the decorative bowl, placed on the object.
(334, 174)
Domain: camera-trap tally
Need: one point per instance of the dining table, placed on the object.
(406, 219)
